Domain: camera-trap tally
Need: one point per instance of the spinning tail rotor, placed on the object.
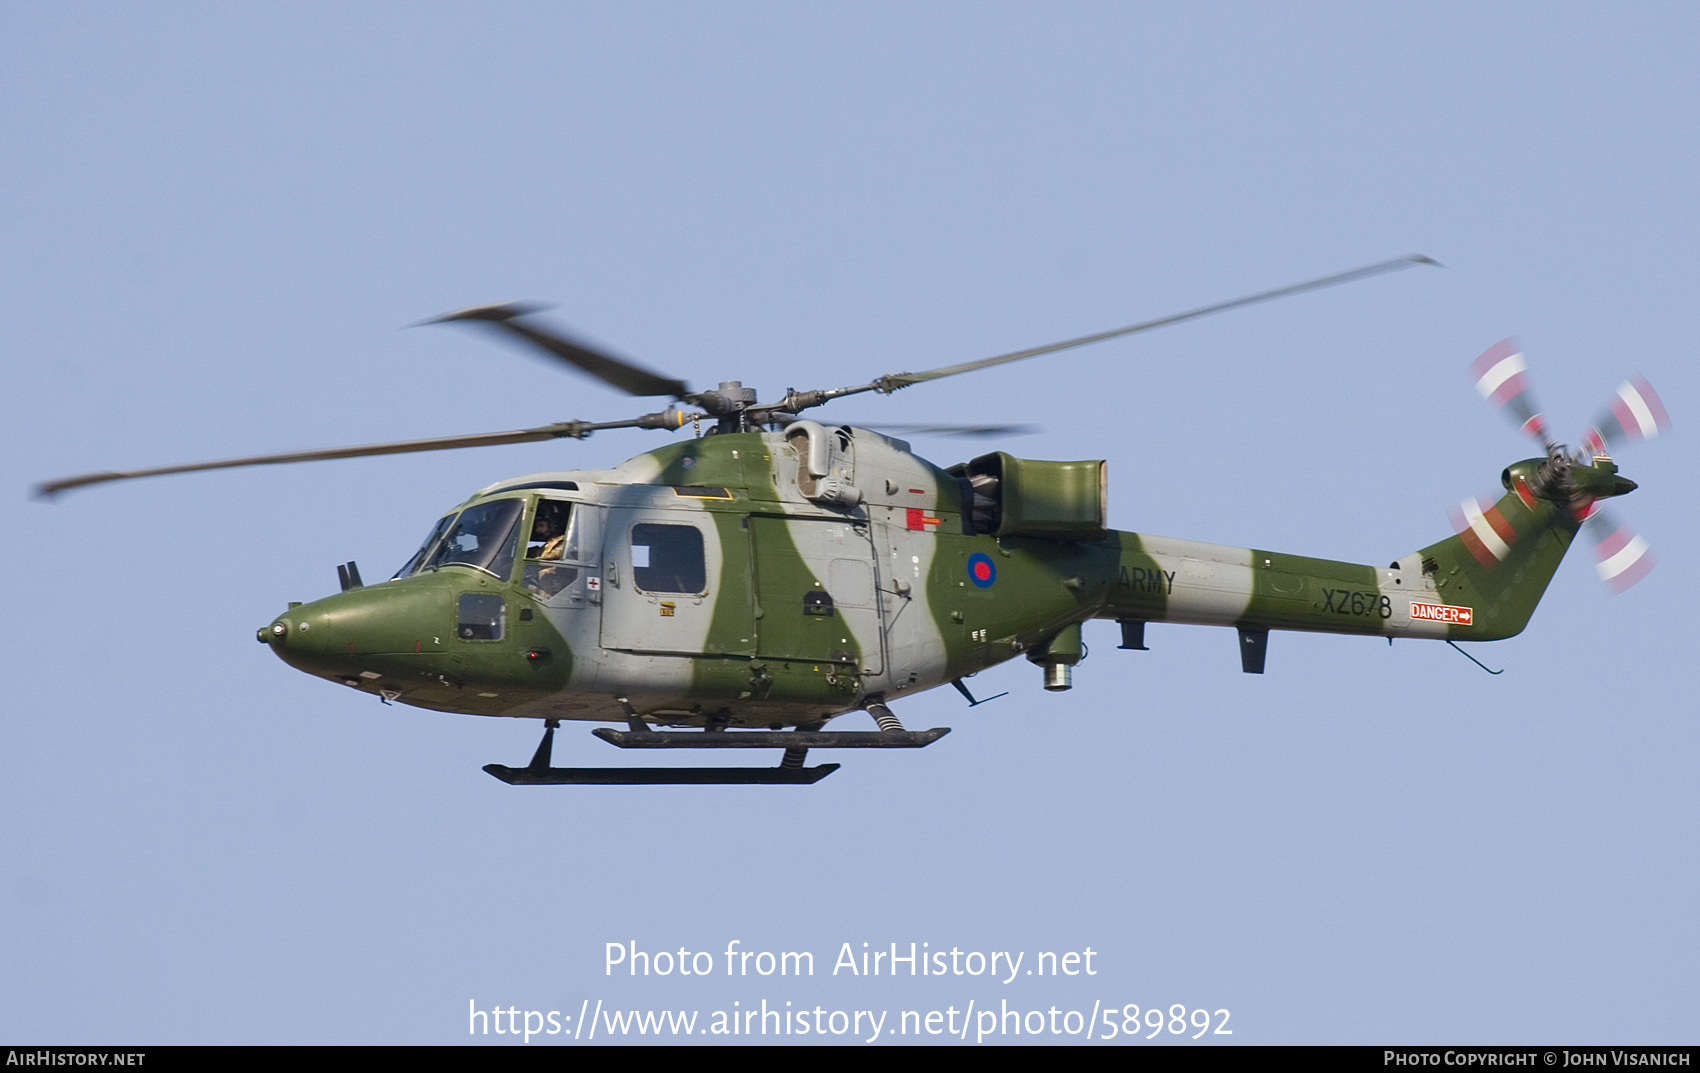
(1577, 480)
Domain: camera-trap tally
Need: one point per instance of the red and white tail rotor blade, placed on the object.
(1501, 376)
(1484, 530)
(1635, 413)
(1621, 555)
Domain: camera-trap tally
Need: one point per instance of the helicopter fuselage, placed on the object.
(776, 579)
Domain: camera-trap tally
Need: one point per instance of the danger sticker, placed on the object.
(1463, 616)
(920, 520)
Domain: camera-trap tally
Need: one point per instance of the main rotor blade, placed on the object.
(952, 430)
(575, 429)
(892, 383)
(628, 377)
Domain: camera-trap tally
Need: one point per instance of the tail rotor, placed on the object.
(1576, 481)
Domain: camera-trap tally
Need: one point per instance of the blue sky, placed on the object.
(216, 220)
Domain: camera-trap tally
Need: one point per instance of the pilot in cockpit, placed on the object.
(548, 542)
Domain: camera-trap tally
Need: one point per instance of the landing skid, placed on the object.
(659, 776)
(790, 771)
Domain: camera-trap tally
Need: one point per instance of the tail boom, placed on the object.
(1467, 587)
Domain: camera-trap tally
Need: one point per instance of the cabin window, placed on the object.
(484, 536)
(553, 542)
(668, 558)
(483, 617)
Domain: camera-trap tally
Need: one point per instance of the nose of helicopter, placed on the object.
(404, 641)
(327, 636)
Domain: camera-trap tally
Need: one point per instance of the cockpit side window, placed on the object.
(553, 535)
(485, 536)
(554, 541)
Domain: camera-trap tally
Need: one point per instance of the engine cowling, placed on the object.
(1037, 498)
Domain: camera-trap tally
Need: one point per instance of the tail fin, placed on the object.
(1503, 557)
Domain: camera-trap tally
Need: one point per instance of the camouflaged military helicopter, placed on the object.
(773, 573)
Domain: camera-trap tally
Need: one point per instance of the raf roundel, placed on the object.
(981, 570)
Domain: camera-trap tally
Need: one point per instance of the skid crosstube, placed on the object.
(771, 739)
(659, 776)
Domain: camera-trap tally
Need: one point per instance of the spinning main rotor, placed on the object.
(731, 406)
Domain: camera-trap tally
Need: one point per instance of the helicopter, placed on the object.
(744, 587)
